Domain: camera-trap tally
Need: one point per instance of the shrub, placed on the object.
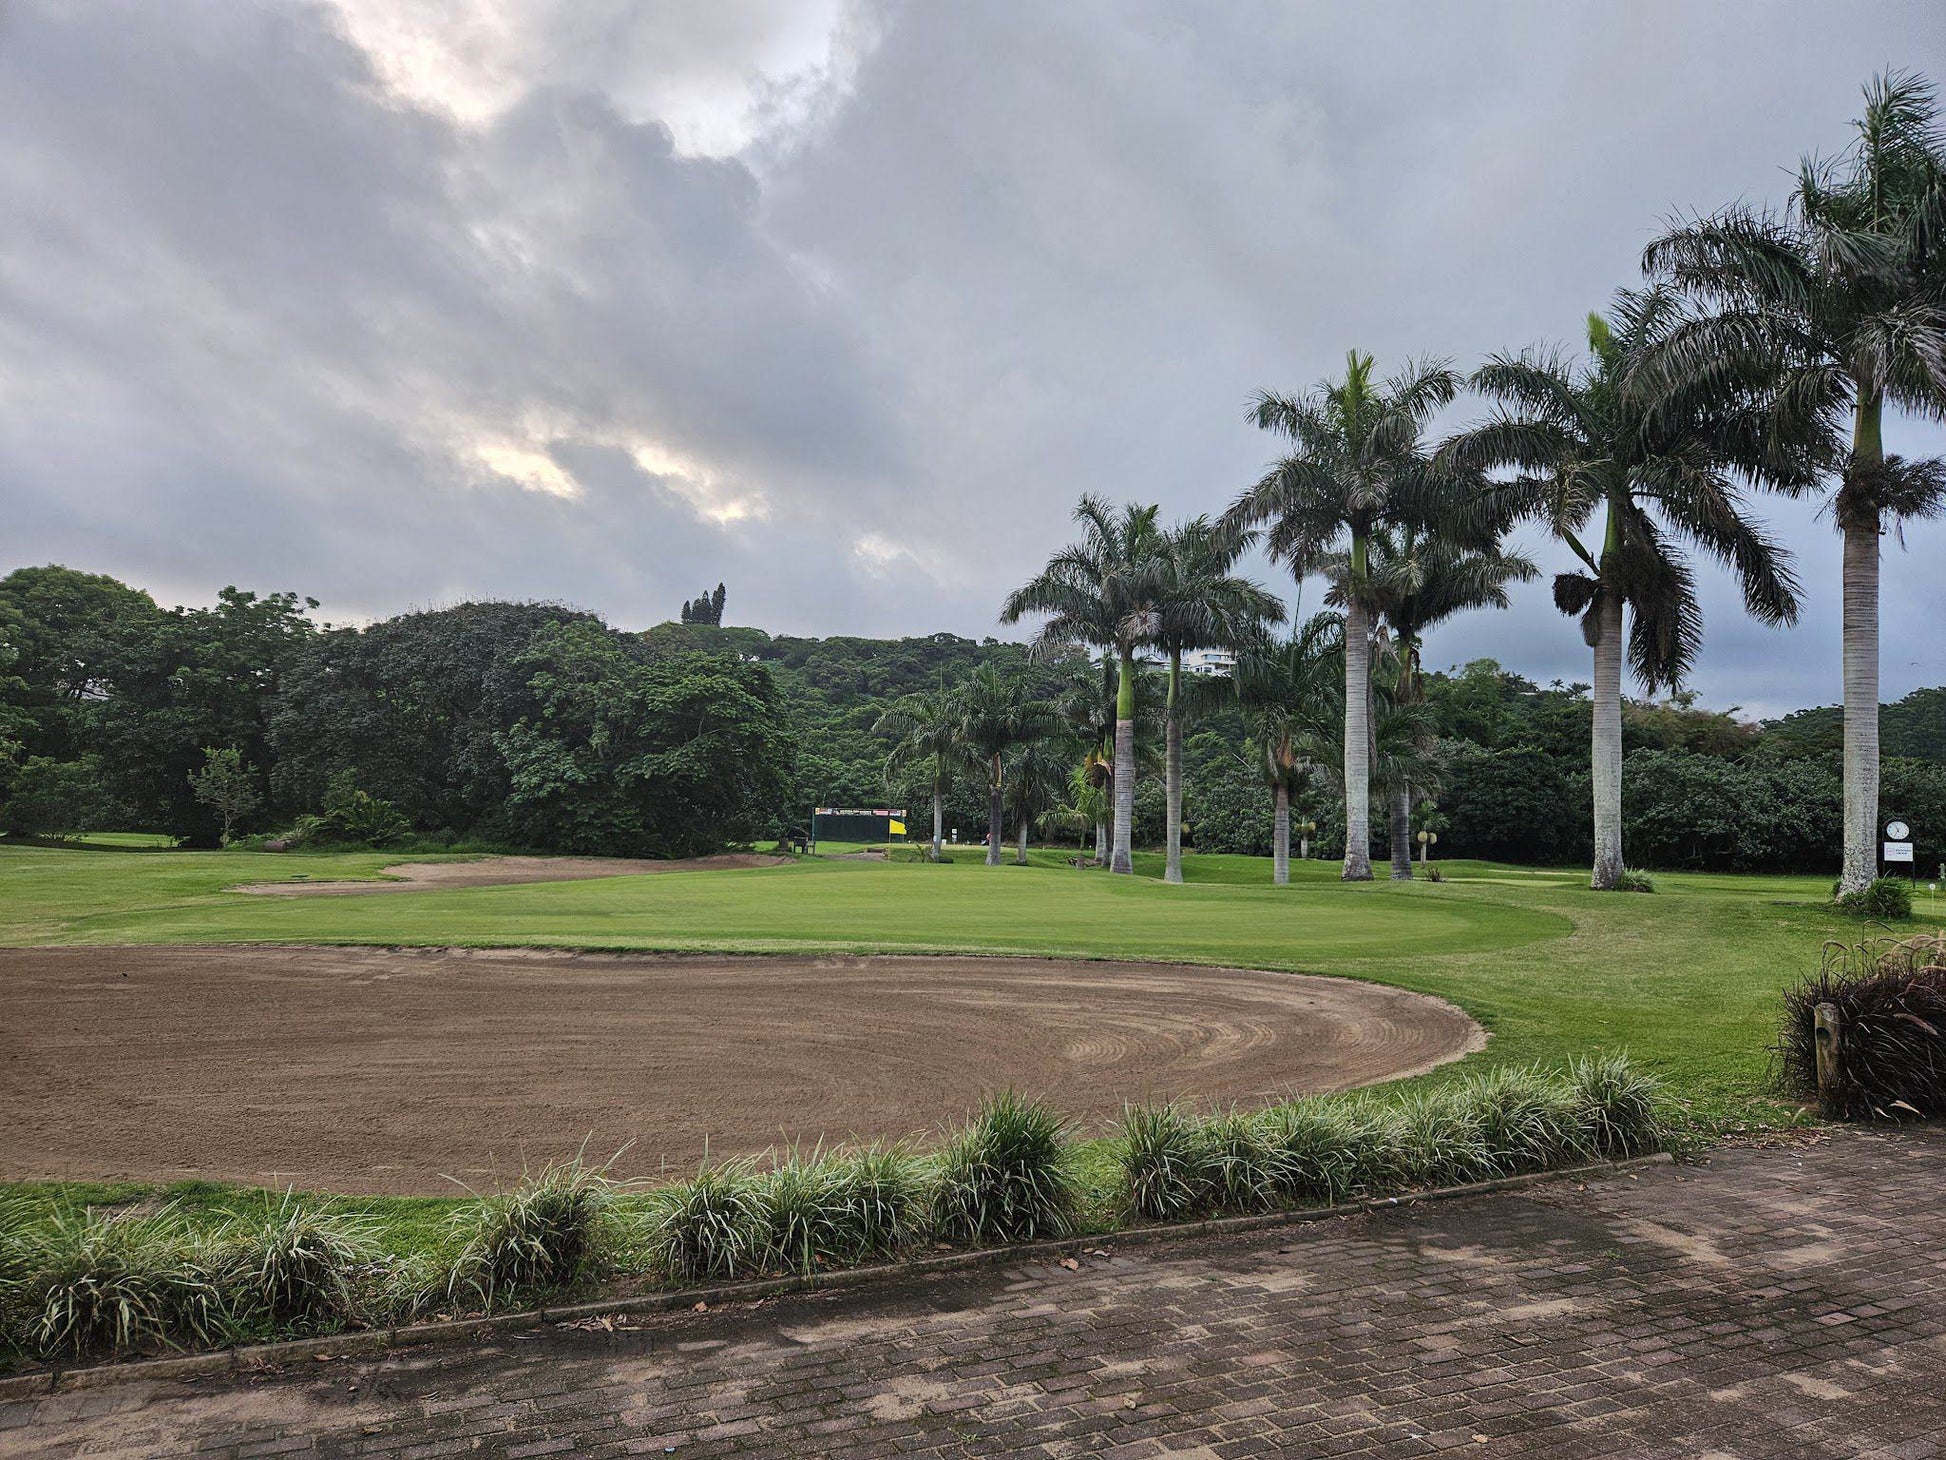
(844, 1209)
(1006, 1177)
(715, 1225)
(1887, 899)
(290, 1266)
(93, 1282)
(1165, 1162)
(1633, 880)
(1891, 1000)
(544, 1233)
(1618, 1108)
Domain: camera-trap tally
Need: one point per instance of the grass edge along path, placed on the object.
(78, 1282)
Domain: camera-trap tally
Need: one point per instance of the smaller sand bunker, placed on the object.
(386, 1070)
(507, 872)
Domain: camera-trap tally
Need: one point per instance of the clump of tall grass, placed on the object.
(1528, 1120)
(1325, 1148)
(840, 1210)
(713, 1226)
(1319, 1151)
(1006, 1177)
(1246, 1164)
(89, 1282)
(1620, 1108)
(1891, 999)
(1165, 1162)
(545, 1233)
(290, 1265)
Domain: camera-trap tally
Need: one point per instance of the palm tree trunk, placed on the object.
(1121, 861)
(1172, 774)
(1358, 743)
(1401, 832)
(1280, 839)
(1021, 859)
(1101, 843)
(1861, 530)
(1607, 744)
(938, 821)
(995, 812)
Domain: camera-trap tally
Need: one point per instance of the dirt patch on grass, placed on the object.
(384, 1070)
(507, 872)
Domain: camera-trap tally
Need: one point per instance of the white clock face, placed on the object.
(1897, 831)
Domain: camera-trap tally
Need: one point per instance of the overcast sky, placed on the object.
(400, 302)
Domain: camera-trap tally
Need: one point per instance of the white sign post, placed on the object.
(1898, 851)
(1897, 847)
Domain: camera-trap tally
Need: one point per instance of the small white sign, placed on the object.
(1897, 831)
(1898, 851)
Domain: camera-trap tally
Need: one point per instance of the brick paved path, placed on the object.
(1774, 1302)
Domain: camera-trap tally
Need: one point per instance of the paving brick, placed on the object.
(1772, 1302)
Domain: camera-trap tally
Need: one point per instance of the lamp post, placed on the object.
(1426, 840)
(1304, 830)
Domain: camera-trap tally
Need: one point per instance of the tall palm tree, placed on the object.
(1421, 579)
(998, 714)
(1355, 467)
(1582, 439)
(1831, 310)
(1289, 690)
(929, 737)
(1204, 606)
(1037, 778)
(1106, 592)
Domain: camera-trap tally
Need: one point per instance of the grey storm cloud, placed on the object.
(395, 302)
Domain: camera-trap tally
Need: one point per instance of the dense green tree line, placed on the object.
(538, 726)
(524, 724)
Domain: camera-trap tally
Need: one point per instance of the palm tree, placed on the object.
(1832, 310)
(930, 738)
(1089, 798)
(1037, 778)
(1105, 591)
(997, 715)
(1581, 438)
(1204, 606)
(1356, 467)
(1422, 579)
(1289, 690)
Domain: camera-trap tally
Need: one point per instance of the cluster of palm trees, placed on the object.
(1759, 355)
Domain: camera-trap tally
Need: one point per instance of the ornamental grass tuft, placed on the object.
(1890, 994)
(1620, 1108)
(1007, 1176)
(545, 1233)
(840, 1210)
(290, 1265)
(90, 1282)
(714, 1226)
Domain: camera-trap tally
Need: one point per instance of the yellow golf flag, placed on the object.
(898, 828)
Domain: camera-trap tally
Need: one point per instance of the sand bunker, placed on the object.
(383, 1070)
(506, 872)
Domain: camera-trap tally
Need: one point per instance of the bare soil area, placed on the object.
(388, 1070)
(507, 872)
